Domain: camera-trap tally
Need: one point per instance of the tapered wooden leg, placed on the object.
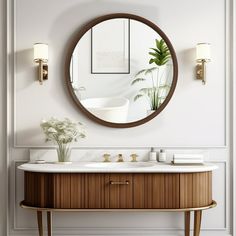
(187, 223)
(40, 222)
(197, 222)
(49, 222)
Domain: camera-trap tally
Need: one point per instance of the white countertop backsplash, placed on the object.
(88, 155)
(82, 157)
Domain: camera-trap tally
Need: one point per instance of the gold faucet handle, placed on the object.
(106, 157)
(120, 158)
(133, 157)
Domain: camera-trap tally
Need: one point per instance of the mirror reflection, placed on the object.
(121, 70)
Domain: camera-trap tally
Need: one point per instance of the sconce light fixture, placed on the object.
(41, 57)
(203, 55)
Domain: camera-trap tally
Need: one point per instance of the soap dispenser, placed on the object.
(162, 156)
(152, 155)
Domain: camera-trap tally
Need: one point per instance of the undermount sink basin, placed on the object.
(111, 109)
(119, 165)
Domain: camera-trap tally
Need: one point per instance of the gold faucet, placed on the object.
(133, 157)
(106, 157)
(120, 158)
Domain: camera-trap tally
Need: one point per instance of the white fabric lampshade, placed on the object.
(41, 51)
(203, 51)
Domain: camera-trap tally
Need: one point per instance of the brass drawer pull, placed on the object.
(119, 182)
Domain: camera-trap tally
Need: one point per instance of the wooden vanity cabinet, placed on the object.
(187, 192)
(118, 190)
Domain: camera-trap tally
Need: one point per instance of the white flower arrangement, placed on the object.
(62, 132)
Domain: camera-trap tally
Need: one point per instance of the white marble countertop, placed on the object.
(113, 167)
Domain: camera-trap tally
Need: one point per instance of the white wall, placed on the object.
(196, 119)
(190, 102)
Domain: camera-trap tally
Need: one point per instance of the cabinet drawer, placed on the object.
(120, 191)
(108, 191)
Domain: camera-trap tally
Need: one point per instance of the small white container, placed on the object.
(152, 155)
(40, 161)
(162, 156)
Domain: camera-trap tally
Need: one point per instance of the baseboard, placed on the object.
(118, 232)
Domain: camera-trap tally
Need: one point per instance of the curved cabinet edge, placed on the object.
(212, 205)
(138, 191)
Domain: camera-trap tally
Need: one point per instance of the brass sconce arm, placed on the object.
(42, 71)
(201, 71)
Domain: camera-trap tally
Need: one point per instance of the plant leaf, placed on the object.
(140, 72)
(164, 86)
(138, 96)
(148, 71)
(153, 54)
(155, 49)
(137, 80)
(161, 54)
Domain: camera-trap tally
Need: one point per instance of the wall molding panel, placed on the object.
(3, 119)
(20, 221)
(15, 78)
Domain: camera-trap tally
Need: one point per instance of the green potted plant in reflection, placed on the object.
(63, 133)
(156, 78)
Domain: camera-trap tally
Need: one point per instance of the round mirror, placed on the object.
(121, 70)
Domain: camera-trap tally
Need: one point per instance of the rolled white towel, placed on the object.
(188, 156)
(188, 159)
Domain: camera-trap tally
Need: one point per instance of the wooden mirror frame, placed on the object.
(80, 34)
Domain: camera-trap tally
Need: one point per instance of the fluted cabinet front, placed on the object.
(118, 191)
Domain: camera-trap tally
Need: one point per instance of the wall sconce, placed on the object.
(41, 57)
(203, 55)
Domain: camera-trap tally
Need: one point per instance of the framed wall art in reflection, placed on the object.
(110, 52)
